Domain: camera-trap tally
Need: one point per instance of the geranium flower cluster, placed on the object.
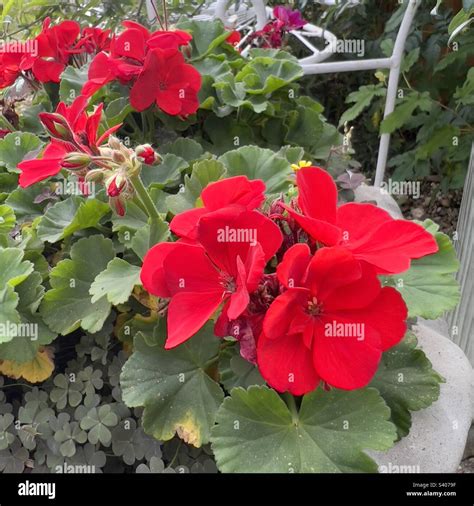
(45, 57)
(152, 64)
(296, 283)
(77, 146)
(271, 36)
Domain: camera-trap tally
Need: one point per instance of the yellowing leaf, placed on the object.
(37, 370)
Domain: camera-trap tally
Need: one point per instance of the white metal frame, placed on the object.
(314, 64)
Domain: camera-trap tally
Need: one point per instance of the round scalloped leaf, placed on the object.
(256, 432)
(7, 219)
(429, 287)
(235, 371)
(173, 386)
(13, 270)
(68, 304)
(407, 382)
(116, 282)
(258, 163)
(35, 371)
(15, 146)
(68, 216)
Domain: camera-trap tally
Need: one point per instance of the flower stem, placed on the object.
(291, 403)
(150, 207)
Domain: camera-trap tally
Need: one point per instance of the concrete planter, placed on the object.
(438, 435)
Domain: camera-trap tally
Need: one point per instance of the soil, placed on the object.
(435, 204)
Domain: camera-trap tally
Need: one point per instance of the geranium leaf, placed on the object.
(75, 213)
(13, 269)
(185, 148)
(37, 370)
(204, 172)
(428, 287)
(166, 173)
(72, 81)
(116, 282)
(15, 146)
(7, 219)
(407, 382)
(24, 346)
(256, 432)
(68, 304)
(142, 240)
(258, 163)
(265, 74)
(178, 396)
(235, 371)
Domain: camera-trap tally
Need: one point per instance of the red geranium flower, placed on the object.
(72, 130)
(155, 67)
(55, 46)
(94, 40)
(332, 323)
(369, 232)
(226, 266)
(167, 80)
(238, 191)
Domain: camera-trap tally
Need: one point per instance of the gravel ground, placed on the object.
(440, 206)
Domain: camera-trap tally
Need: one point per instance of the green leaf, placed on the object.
(68, 304)
(404, 111)
(207, 36)
(116, 282)
(407, 382)
(64, 218)
(256, 432)
(178, 396)
(304, 126)
(361, 99)
(15, 146)
(142, 240)
(204, 172)
(13, 270)
(7, 219)
(8, 313)
(72, 81)
(258, 163)
(428, 287)
(168, 172)
(22, 200)
(264, 74)
(185, 148)
(235, 371)
(34, 333)
(117, 111)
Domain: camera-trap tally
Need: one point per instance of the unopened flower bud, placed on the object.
(147, 155)
(114, 143)
(116, 185)
(76, 161)
(95, 175)
(118, 204)
(57, 126)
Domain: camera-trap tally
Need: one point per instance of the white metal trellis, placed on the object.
(258, 15)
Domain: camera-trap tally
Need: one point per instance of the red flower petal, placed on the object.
(317, 196)
(187, 313)
(185, 224)
(345, 361)
(286, 364)
(152, 274)
(292, 270)
(234, 190)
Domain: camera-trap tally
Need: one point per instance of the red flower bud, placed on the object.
(57, 126)
(116, 186)
(146, 154)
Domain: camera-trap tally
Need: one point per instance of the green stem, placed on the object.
(150, 207)
(291, 403)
